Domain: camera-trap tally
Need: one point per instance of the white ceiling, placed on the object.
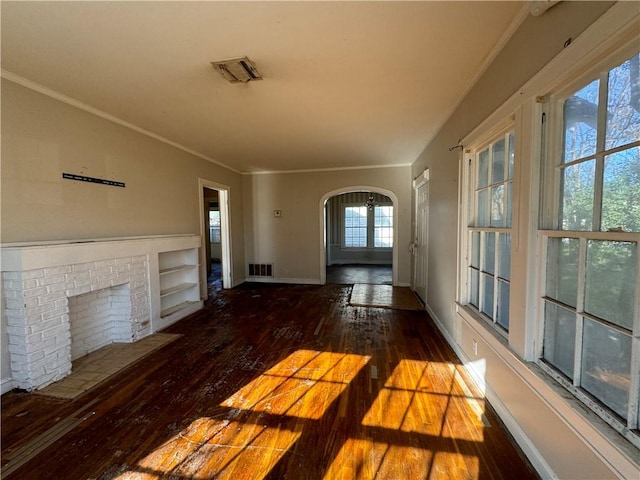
(346, 84)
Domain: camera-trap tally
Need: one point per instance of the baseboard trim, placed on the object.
(521, 438)
(6, 385)
(293, 281)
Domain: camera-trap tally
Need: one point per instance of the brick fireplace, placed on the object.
(63, 301)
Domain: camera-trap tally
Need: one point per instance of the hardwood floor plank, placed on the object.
(275, 382)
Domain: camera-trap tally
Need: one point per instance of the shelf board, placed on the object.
(176, 308)
(177, 268)
(177, 288)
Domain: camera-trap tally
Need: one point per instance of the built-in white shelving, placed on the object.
(179, 282)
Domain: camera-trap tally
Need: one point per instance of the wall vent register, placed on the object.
(261, 269)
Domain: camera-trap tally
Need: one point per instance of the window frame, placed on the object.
(551, 228)
(370, 227)
(471, 337)
(467, 200)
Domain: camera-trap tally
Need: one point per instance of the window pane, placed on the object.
(355, 231)
(383, 227)
(497, 162)
(621, 191)
(497, 206)
(383, 237)
(489, 257)
(559, 338)
(511, 156)
(487, 297)
(474, 287)
(482, 212)
(577, 196)
(483, 169)
(623, 106)
(562, 270)
(509, 204)
(606, 365)
(504, 245)
(610, 281)
(475, 249)
(580, 123)
(502, 315)
(383, 216)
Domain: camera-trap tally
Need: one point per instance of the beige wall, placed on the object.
(293, 242)
(42, 138)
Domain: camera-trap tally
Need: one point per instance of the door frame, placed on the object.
(419, 181)
(225, 235)
(323, 226)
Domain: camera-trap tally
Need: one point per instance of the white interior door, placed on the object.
(421, 236)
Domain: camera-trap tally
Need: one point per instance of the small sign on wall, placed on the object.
(84, 178)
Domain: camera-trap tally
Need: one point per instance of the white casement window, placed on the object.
(590, 299)
(366, 227)
(488, 195)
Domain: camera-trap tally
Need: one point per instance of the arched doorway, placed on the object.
(367, 191)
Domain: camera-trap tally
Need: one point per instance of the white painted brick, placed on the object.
(11, 293)
(27, 284)
(31, 302)
(80, 283)
(100, 271)
(56, 312)
(35, 292)
(82, 267)
(62, 302)
(77, 276)
(46, 363)
(16, 276)
(46, 325)
(30, 274)
(21, 330)
(15, 303)
(58, 270)
(34, 312)
(105, 263)
(43, 282)
(48, 299)
(121, 268)
(59, 288)
(55, 332)
(19, 348)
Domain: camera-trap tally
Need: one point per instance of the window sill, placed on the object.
(611, 447)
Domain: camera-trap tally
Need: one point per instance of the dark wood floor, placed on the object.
(350, 274)
(272, 382)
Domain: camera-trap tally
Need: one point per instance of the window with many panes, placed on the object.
(366, 227)
(214, 226)
(591, 298)
(489, 196)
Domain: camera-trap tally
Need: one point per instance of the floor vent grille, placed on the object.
(261, 269)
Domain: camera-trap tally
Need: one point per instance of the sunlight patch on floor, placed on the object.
(303, 385)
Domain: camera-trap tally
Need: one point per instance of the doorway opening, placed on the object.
(215, 252)
(359, 236)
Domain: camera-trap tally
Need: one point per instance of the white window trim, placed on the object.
(611, 33)
(370, 228)
(551, 220)
(467, 161)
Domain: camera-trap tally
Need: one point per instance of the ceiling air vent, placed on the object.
(238, 70)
